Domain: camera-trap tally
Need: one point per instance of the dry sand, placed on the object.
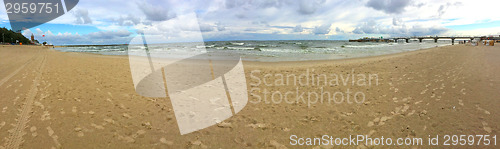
(51, 99)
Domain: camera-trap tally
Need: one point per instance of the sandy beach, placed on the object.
(52, 99)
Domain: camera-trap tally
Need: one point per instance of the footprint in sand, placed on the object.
(395, 99)
(165, 141)
(423, 91)
(2, 124)
(405, 108)
(131, 139)
(426, 86)
(97, 126)
(54, 137)
(126, 115)
(74, 109)
(139, 134)
(411, 113)
(45, 116)
(276, 145)
(418, 102)
(15, 99)
(481, 109)
(379, 121)
(486, 127)
(33, 131)
(79, 132)
(383, 119)
(370, 124)
(199, 144)
(109, 121)
(40, 105)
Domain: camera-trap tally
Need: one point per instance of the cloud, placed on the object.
(389, 6)
(220, 27)
(109, 34)
(322, 29)
(397, 21)
(206, 27)
(286, 19)
(419, 30)
(298, 28)
(442, 8)
(66, 38)
(371, 27)
(338, 30)
(309, 6)
(128, 20)
(82, 16)
(155, 13)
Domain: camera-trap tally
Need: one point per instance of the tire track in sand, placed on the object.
(16, 137)
(16, 71)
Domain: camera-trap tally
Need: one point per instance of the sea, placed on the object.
(266, 51)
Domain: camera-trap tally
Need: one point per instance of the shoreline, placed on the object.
(256, 61)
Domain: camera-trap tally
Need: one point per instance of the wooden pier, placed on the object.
(420, 39)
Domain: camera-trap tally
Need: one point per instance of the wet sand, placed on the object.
(51, 99)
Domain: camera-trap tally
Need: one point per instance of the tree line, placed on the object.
(9, 36)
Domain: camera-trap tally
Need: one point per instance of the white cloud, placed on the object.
(155, 13)
(82, 16)
(298, 28)
(128, 20)
(322, 29)
(101, 37)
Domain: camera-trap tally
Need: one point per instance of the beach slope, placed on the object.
(51, 99)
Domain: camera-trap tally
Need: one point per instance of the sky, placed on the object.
(118, 21)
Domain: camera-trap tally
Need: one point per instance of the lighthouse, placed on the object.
(32, 39)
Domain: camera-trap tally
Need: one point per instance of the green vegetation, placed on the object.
(11, 36)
